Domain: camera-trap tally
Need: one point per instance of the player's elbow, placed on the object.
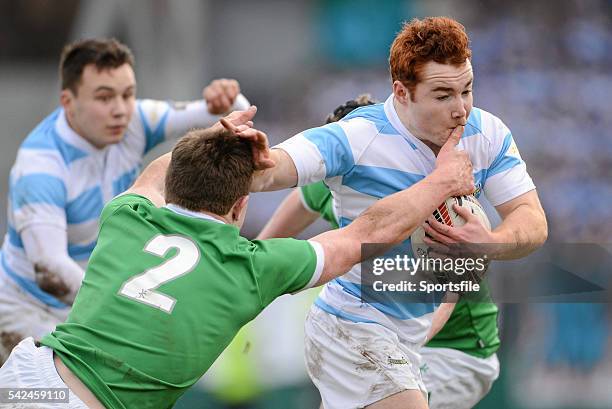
(540, 228)
(542, 232)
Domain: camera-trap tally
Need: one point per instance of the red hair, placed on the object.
(439, 39)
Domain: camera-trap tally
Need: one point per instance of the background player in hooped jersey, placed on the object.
(376, 151)
(459, 362)
(86, 152)
(168, 287)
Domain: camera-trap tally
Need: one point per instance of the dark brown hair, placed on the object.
(439, 39)
(103, 53)
(349, 106)
(209, 170)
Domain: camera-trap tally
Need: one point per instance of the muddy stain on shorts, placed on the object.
(315, 359)
(342, 335)
(369, 365)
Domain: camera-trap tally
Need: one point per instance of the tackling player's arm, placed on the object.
(290, 219)
(150, 183)
(393, 218)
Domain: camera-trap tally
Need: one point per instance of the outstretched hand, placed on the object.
(239, 123)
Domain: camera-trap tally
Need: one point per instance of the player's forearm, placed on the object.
(392, 219)
(440, 317)
(522, 231)
(56, 273)
(289, 220)
(282, 176)
(185, 116)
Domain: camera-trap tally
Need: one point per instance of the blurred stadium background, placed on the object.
(543, 67)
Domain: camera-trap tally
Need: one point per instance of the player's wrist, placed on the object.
(442, 184)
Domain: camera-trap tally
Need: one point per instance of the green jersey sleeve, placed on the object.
(317, 197)
(284, 266)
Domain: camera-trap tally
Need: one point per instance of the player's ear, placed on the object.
(66, 97)
(239, 208)
(401, 92)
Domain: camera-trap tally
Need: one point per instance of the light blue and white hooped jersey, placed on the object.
(370, 154)
(61, 179)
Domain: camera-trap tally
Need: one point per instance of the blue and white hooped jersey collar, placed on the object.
(395, 121)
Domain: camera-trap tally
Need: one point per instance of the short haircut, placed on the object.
(439, 39)
(209, 171)
(103, 53)
(349, 106)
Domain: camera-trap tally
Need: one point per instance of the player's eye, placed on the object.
(467, 92)
(104, 98)
(442, 97)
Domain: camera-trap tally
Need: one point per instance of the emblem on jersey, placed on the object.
(478, 190)
(153, 111)
(513, 150)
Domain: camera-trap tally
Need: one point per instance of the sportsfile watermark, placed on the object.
(34, 395)
(556, 272)
(434, 273)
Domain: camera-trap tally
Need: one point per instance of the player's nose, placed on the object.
(459, 112)
(120, 107)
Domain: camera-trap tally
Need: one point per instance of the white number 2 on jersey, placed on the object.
(142, 287)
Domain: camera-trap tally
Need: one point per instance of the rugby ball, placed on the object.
(447, 215)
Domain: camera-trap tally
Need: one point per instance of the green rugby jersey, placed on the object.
(165, 292)
(318, 199)
(471, 328)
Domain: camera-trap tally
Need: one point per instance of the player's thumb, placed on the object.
(453, 139)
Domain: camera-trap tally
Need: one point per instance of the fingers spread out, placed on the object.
(239, 124)
(229, 126)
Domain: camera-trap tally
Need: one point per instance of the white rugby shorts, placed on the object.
(29, 366)
(356, 364)
(456, 380)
